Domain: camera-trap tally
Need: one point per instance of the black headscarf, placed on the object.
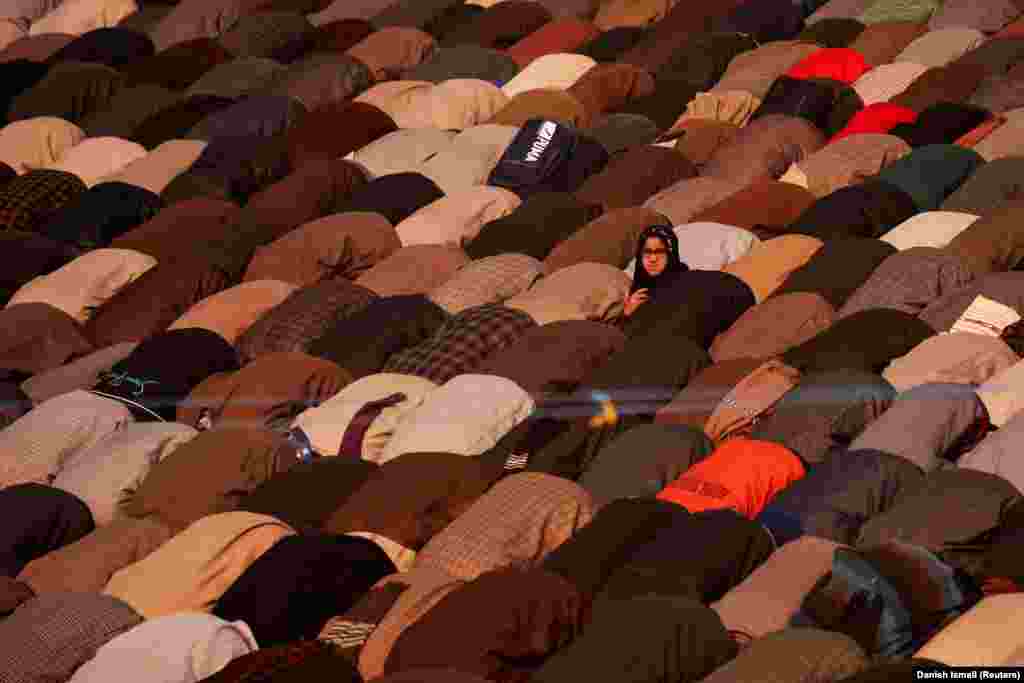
(641, 278)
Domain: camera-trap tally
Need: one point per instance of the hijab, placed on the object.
(641, 278)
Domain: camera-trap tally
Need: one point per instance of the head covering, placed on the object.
(644, 280)
(515, 524)
(203, 644)
(42, 519)
(51, 636)
(35, 446)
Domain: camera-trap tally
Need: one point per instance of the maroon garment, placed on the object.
(635, 175)
(335, 130)
(557, 356)
(35, 337)
(182, 229)
(154, 301)
(317, 189)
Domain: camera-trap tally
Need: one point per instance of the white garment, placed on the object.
(181, 648)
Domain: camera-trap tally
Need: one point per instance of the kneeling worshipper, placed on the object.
(657, 259)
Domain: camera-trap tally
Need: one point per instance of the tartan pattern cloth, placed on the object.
(516, 524)
(488, 280)
(30, 200)
(462, 343)
(50, 636)
(305, 316)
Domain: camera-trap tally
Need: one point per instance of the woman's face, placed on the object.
(655, 256)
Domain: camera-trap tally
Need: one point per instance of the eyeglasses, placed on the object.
(654, 252)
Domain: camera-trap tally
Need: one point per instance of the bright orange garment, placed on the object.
(742, 474)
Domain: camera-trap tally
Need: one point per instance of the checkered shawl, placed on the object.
(303, 317)
(49, 637)
(462, 343)
(516, 524)
(30, 200)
